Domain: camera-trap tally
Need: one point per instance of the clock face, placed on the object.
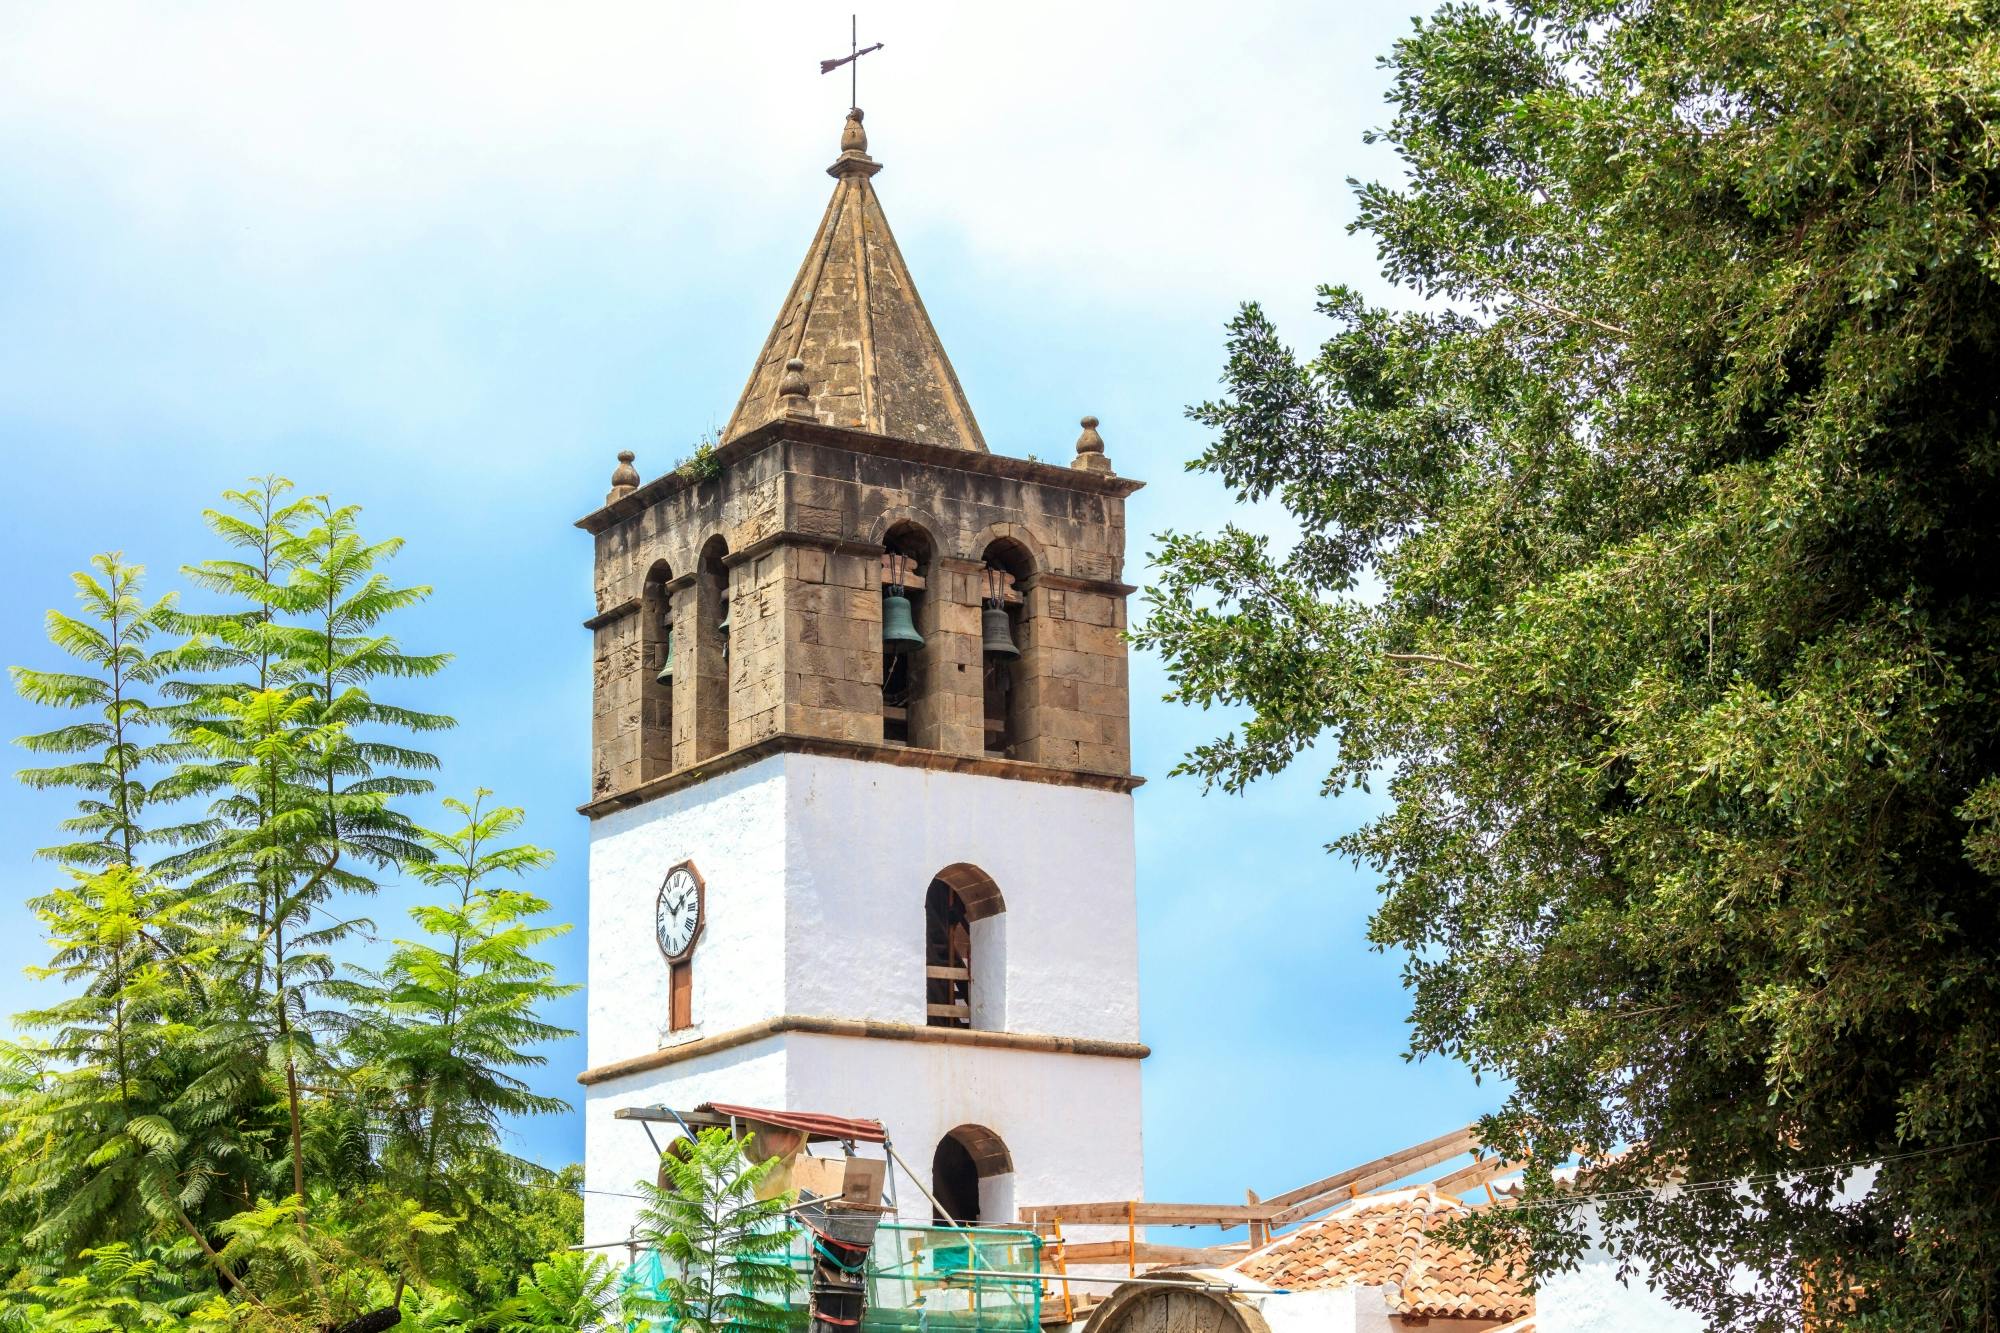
(677, 917)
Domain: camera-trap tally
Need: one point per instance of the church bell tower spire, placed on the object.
(873, 360)
(861, 802)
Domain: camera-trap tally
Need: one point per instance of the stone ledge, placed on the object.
(869, 751)
(866, 1029)
(860, 442)
(611, 613)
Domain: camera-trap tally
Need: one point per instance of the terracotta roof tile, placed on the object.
(1385, 1240)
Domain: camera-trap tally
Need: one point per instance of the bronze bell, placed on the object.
(667, 667)
(997, 635)
(899, 626)
(722, 626)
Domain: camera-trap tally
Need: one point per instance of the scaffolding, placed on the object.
(937, 1279)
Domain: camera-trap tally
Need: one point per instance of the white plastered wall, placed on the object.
(733, 829)
(1071, 1123)
(816, 870)
(617, 1153)
(865, 841)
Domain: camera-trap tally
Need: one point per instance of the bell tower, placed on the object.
(861, 811)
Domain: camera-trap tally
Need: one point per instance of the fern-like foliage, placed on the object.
(724, 1248)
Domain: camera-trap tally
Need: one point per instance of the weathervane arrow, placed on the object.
(854, 53)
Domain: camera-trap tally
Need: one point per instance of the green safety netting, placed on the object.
(946, 1279)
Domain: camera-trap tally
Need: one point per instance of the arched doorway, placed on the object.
(971, 1173)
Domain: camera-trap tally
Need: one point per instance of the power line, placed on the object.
(1738, 1182)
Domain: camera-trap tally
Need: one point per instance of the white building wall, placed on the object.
(816, 870)
(1590, 1299)
(617, 1153)
(733, 828)
(867, 839)
(1071, 1123)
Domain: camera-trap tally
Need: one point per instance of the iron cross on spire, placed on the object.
(852, 60)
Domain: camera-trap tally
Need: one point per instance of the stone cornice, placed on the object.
(868, 751)
(857, 442)
(1077, 583)
(793, 537)
(610, 613)
(867, 1030)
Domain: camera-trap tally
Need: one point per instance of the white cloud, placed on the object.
(1124, 147)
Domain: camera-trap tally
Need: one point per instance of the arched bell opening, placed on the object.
(908, 623)
(711, 651)
(972, 1178)
(965, 950)
(657, 666)
(1004, 628)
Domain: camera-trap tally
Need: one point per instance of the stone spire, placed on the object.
(871, 359)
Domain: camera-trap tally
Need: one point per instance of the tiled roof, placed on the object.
(1384, 1240)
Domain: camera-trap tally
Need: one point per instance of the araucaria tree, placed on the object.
(1648, 559)
(723, 1249)
(221, 1119)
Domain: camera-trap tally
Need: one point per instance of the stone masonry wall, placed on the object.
(804, 519)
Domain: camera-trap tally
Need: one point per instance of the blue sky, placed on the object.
(444, 261)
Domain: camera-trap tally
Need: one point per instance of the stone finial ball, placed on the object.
(624, 477)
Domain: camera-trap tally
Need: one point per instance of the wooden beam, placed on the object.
(1116, 1252)
(963, 1011)
(937, 973)
(1297, 1204)
(911, 578)
(1468, 1177)
(1150, 1214)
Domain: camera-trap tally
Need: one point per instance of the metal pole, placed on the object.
(949, 1221)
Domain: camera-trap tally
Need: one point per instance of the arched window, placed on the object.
(972, 1177)
(965, 959)
(1004, 625)
(711, 652)
(907, 717)
(656, 689)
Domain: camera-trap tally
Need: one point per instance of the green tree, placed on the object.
(1641, 560)
(442, 1027)
(569, 1291)
(199, 1094)
(110, 744)
(296, 748)
(93, 1155)
(724, 1248)
(518, 1220)
(115, 1290)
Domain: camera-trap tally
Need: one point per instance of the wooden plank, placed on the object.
(1115, 1252)
(937, 973)
(1387, 1175)
(1151, 1214)
(963, 1011)
(1333, 1182)
(910, 578)
(1297, 1204)
(1468, 1177)
(680, 995)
